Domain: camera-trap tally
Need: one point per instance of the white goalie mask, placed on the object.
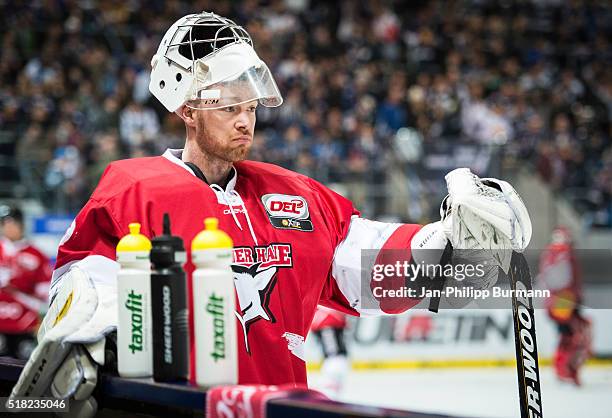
(206, 61)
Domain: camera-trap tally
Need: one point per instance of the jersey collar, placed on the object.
(174, 156)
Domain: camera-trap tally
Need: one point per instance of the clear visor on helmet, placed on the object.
(255, 83)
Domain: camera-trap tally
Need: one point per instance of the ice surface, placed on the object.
(482, 392)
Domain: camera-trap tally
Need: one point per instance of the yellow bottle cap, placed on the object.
(134, 241)
(211, 237)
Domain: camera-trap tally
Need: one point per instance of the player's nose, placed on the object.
(243, 121)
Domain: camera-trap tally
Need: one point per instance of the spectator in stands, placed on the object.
(33, 152)
(106, 148)
(138, 126)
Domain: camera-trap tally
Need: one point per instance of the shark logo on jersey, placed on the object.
(255, 278)
(254, 289)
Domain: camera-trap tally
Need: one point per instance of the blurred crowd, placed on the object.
(532, 77)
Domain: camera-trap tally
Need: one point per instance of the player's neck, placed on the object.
(214, 169)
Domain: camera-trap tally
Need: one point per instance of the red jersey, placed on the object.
(25, 273)
(302, 239)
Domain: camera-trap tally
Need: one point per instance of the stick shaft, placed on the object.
(527, 367)
(439, 282)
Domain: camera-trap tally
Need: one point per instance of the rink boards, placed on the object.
(453, 338)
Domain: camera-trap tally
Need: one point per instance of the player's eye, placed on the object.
(252, 109)
(229, 109)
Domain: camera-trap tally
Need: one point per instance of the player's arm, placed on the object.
(376, 267)
(357, 242)
(477, 214)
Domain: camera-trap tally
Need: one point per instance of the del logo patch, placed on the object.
(287, 212)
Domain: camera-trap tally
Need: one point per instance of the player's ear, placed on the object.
(187, 114)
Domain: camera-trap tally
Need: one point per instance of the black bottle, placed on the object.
(169, 307)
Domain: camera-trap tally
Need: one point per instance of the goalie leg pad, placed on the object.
(86, 408)
(76, 377)
(72, 307)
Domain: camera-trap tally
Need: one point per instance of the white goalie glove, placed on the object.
(484, 220)
(485, 214)
(71, 343)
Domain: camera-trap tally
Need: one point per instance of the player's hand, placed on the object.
(484, 220)
(485, 214)
(477, 214)
(71, 343)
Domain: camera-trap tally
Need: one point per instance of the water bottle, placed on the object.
(214, 302)
(169, 296)
(134, 338)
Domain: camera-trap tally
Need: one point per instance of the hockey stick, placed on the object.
(527, 366)
(528, 371)
(440, 281)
